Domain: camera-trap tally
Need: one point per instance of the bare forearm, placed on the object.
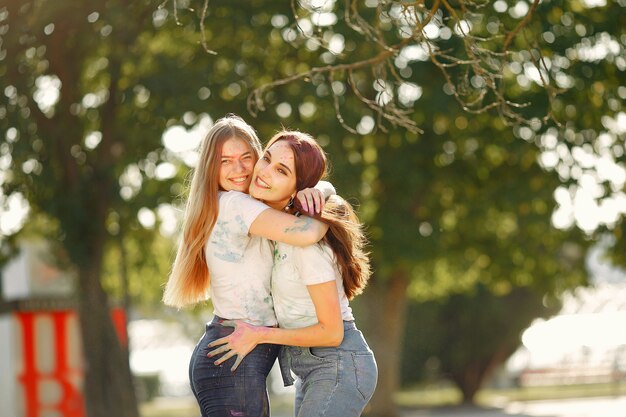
(316, 335)
(309, 230)
(287, 228)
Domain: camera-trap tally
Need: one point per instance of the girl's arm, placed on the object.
(287, 228)
(328, 331)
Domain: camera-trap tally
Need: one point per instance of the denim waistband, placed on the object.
(217, 320)
(220, 320)
(349, 325)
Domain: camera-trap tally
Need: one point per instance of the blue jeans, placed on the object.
(222, 393)
(332, 381)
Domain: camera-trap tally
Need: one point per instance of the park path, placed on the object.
(578, 407)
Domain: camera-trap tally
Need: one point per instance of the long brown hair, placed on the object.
(347, 239)
(345, 235)
(189, 279)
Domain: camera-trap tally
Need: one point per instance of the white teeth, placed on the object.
(262, 183)
(238, 180)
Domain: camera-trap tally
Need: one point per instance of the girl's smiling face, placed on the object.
(236, 165)
(274, 177)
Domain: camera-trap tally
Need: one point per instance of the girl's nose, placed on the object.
(239, 166)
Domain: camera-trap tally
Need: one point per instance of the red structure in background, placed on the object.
(66, 373)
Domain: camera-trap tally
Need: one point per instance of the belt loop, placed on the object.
(284, 363)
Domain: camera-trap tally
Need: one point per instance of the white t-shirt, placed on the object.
(294, 269)
(240, 265)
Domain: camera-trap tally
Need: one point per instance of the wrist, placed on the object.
(262, 335)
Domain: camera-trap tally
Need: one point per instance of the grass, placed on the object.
(169, 407)
(436, 396)
(494, 397)
(282, 406)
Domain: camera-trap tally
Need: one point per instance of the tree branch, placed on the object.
(520, 25)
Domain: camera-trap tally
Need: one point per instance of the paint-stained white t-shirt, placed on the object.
(294, 269)
(240, 265)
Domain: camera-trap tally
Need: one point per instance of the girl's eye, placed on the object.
(282, 171)
(265, 158)
(225, 161)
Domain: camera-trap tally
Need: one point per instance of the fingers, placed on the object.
(225, 339)
(224, 358)
(229, 354)
(302, 200)
(236, 364)
(219, 350)
(218, 342)
(319, 202)
(311, 200)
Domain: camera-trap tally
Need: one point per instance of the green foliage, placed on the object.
(68, 153)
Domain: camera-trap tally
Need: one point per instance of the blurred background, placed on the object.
(481, 142)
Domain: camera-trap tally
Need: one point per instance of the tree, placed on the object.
(478, 213)
(469, 335)
(86, 99)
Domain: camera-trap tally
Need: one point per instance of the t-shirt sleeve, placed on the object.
(315, 266)
(242, 206)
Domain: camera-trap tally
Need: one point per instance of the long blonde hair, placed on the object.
(189, 279)
(345, 235)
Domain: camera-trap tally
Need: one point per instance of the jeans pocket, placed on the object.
(366, 373)
(324, 354)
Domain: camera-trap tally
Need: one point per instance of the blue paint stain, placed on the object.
(241, 223)
(224, 247)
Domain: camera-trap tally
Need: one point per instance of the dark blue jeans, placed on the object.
(222, 393)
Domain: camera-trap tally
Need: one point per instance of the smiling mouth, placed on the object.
(262, 183)
(239, 180)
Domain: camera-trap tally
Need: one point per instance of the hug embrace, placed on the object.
(280, 255)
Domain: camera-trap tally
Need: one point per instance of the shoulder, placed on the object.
(238, 199)
(315, 264)
(316, 252)
(240, 207)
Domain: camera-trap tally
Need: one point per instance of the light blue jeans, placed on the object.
(331, 381)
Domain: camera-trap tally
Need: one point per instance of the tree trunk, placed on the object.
(108, 389)
(383, 307)
(470, 380)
